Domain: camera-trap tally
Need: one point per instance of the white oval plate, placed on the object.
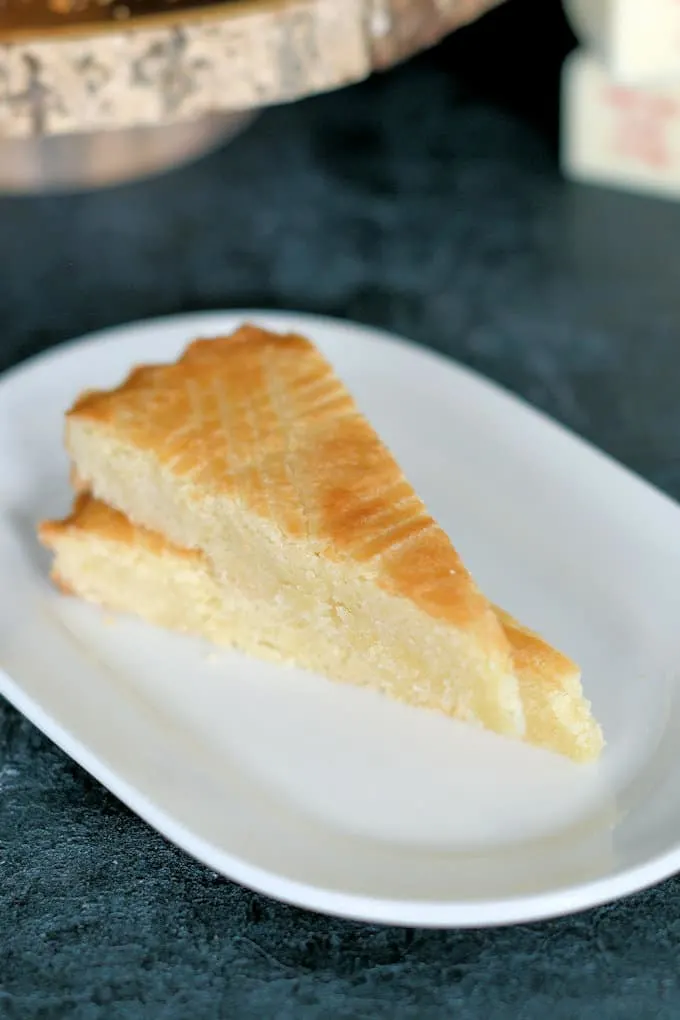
(334, 798)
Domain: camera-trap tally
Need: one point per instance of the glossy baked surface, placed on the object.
(264, 419)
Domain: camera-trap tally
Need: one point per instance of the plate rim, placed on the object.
(411, 913)
(494, 912)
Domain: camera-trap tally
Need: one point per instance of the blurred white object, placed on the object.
(637, 40)
(617, 135)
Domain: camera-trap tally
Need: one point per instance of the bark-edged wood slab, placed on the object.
(88, 65)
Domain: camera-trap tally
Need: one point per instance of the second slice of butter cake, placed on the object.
(250, 449)
(103, 558)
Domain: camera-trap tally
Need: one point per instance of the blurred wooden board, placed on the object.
(87, 65)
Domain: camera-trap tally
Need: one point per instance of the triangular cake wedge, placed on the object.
(251, 450)
(100, 556)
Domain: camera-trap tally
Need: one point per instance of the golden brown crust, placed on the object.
(89, 516)
(264, 418)
(534, 656)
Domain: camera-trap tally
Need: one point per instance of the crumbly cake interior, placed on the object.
(326, 615)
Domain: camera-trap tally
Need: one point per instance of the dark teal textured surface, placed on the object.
(427, 201)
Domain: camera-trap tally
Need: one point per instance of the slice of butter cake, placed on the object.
(100, 556)
(250, 449)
